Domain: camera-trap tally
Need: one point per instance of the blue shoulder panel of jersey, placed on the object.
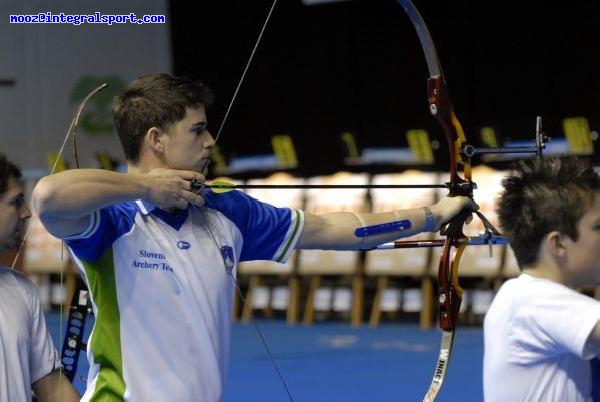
(112, 222)
(263, 226)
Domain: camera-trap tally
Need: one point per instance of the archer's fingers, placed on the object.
(472, 206)
(454, 205)
(469, 219)
(189, 175)
(193, 181)
(464, 203)
(194, 199)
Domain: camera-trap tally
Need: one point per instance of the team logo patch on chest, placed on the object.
(183, 245)
(228, 258)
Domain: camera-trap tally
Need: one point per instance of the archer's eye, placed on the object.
(18, 201)
(199, 129)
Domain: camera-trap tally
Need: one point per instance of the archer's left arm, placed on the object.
(336, 230)
(55, 387)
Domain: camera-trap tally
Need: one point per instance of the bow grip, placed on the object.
(453, 228)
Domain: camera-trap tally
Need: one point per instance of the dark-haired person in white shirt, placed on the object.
(540, 333)
(28, 358)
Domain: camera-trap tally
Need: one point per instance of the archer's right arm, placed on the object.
(65, 200)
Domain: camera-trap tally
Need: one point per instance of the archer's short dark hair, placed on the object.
(543, 195)
(7, 170)
(156, 100)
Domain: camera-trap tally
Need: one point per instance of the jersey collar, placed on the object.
(173, 220)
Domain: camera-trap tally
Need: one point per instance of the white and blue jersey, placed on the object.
(162, 291)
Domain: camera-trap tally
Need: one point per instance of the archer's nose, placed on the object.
(24, 212)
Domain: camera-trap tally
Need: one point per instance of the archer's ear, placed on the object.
(154, 139)
(555, 242)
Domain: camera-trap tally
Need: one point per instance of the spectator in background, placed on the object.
(540, 333)
(28, 358)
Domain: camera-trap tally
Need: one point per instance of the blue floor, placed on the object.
(335, 362)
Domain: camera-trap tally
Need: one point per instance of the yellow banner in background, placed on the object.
(488, 137)
(418, 141)
(577, 132)
(284, 150)
(53, 159)
(351, 148)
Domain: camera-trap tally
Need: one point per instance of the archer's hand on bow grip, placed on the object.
(453, 228)
(453, 212)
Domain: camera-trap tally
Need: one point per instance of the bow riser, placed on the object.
(442, 109)
(450, 292)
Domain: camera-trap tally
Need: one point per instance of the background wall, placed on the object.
(54, 65)
(358, 66)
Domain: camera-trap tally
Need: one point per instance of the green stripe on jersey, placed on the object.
(291, 238)
(106, 337)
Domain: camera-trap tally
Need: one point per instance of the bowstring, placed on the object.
(72, 131)
(205, 168)
(246, 307)
(246, 68)
(52, 170)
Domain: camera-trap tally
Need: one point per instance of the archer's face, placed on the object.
(188, 142)
(583, 255)
(13, 214)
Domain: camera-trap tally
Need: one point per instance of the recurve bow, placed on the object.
(441, 107)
